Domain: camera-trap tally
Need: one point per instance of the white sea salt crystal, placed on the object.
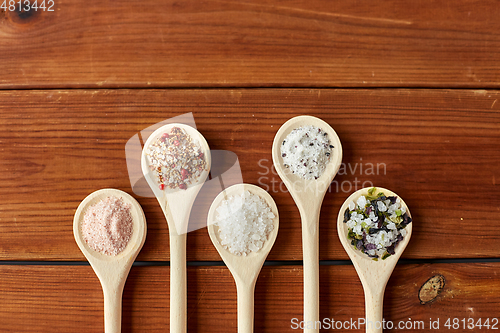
(244, 222)
(368, 221)
(361, 202)
(381, 206)
(351, 224)
(253, 247)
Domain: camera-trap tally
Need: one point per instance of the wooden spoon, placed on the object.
(245, 269)
(374, 275)
(112, 271)
(308, 196)
(176, 206)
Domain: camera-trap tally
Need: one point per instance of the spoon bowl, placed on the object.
(176, 205)
(245, 269)
(300, 188)
(308, 196)
(112, 271)
(374, 275)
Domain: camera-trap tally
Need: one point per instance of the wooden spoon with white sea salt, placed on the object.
(243, 224)
(307, 154)
(110, 229)
(175, 162)
(374, 227)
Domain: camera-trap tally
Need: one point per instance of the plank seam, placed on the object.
(267, 263)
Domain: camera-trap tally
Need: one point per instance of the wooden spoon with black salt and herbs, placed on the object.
(374, 269)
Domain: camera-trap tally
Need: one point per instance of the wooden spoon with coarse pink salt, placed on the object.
(175, 162)
(110, 229)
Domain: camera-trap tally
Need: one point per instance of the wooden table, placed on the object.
(410, 88)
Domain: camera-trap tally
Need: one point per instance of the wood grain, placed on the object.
(438, 149)
(69, 298)
(252, 43)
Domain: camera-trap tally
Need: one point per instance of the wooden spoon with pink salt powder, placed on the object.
(110, 229)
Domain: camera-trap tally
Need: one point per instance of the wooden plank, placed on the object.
(69, 299)
(438, 149)
(254, 43)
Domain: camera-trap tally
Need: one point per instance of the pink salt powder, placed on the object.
(107, 226)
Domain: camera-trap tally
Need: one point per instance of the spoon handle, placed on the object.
(178, 302)
(245, 307)
(112, 309)
(374, 304)
(310, 248)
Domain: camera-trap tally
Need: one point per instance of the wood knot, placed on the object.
(21, 15)
(25, 14)
(431, 289)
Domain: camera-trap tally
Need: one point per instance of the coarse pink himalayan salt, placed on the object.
(107, 226)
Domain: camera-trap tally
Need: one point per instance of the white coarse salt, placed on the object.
(245, 222)
(306, 151)
(381, 206)
(361, 202)
(107, 226)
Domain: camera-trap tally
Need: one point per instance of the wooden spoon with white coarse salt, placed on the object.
(308, 196)
(112, 270)
(374, 275)
(176, 205)
(245, 269)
